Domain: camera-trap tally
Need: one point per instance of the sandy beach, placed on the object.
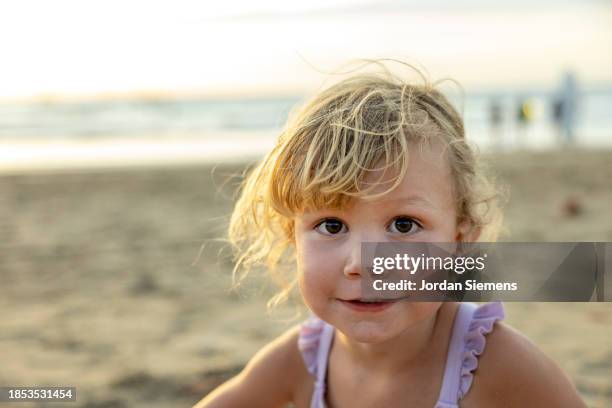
(115, 281)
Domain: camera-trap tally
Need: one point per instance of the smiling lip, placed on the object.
(360, 306)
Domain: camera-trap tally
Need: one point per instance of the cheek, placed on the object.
(316, 274)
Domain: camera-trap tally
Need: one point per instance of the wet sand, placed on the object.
(106, 285)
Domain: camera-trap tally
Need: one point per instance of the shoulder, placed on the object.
(275, 376)
(280, 363)
(513, 372)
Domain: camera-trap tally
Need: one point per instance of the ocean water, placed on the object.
(39, 134)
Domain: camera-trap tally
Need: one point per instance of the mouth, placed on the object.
(364, 305)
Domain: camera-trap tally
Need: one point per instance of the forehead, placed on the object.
(427, 180)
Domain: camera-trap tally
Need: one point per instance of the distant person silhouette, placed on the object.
(564, 109)
(523, 117)
(496, 122)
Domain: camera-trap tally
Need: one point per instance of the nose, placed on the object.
(352, 266)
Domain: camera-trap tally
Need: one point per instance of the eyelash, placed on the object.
(322, 222)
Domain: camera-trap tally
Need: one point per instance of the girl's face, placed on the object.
(328, 246)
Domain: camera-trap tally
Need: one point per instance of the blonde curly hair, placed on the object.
(324, 153)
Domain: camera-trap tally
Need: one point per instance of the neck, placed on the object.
(411, 347)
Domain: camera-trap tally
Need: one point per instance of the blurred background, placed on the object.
(124, 127)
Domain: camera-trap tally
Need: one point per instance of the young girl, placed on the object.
(375, 159)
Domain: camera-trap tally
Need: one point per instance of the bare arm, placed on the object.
(513, 372)
(270, 379)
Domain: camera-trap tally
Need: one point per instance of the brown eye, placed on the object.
(404, 225)
(330, 227)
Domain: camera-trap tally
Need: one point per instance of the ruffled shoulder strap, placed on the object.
(468, 341)
(309, 340)
(314, 342)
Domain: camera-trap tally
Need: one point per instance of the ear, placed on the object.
(467, 232)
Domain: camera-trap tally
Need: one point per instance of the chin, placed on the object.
(367, 331)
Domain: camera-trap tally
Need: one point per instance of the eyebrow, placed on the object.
(412, 199)
(416, 200)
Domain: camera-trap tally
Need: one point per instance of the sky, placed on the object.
(75, 47)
